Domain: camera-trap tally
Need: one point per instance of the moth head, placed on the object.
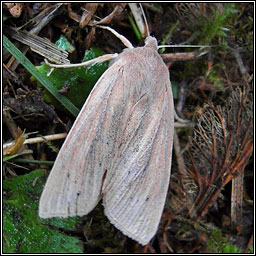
(151, 42)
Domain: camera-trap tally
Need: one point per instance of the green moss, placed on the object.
(219, 243)
(23, 230)
(217, 30)
(215, 27)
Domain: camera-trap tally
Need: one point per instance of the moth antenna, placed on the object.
(124, 40)
(183, 46)
(145, 20)
(99, 59)
(140, 18)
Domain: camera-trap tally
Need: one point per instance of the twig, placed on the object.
(181, 56)
(180, 159)
(240, 63)
(237, 200)
(182, 96)
(8, 120)
(41, 139)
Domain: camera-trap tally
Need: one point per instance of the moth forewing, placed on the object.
(119, 147)
(135, 193)
(73, 186)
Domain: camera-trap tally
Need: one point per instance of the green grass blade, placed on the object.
(45, 82)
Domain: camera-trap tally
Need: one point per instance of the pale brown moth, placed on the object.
(119, 148)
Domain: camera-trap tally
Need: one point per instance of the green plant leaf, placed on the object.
(79, 80)
(64, 44)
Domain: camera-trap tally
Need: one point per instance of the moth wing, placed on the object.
(74, 184)
(134, 192)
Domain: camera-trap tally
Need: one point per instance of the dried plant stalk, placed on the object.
(221, 145)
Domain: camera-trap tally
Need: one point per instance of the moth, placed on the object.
(119, 148)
